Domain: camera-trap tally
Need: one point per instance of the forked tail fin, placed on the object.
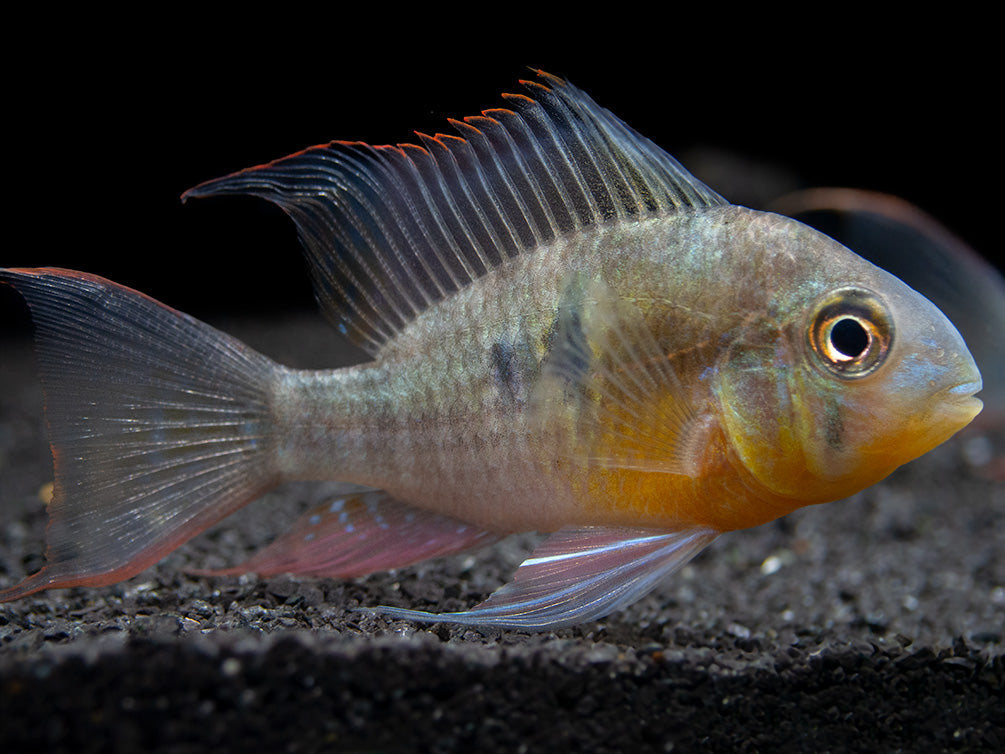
(159, 426)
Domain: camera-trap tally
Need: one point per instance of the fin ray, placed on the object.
(578, 575)
(389, 230)
(358, 534)
(159, 426)
(607, 370)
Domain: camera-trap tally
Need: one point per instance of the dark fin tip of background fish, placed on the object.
(390, 230)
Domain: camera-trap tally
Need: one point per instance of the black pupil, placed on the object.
(849, 338)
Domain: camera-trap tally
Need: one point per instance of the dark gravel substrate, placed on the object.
(874, 624)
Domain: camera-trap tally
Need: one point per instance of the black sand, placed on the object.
(872, 624)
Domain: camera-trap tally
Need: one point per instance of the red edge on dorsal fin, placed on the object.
(199, 190)
(463, 126)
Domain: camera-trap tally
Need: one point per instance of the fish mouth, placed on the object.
(967, 389)
(962, 405)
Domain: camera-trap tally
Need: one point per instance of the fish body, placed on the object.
(569, 334)
(467, 403)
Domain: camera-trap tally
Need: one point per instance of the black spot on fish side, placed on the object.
(834, 427)
(568, 358)
(567, 351)
(504, 370)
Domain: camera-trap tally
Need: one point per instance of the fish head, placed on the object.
(850, 374)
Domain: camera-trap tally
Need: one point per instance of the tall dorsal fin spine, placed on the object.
(429, 181)
(391, 230)
(497, 138)
(458, 193)
(535, 156)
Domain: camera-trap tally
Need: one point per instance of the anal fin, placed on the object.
(578, 575)
(357, 534)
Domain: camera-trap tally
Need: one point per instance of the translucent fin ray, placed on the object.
(159, 426)
(578, 575)
(390, 230)
(357, 534)
(606, 369)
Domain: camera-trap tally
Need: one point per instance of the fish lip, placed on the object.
(967, 389)
(961, 404)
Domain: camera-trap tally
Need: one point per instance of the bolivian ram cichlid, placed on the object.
(570, 334)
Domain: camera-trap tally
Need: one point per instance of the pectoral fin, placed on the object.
(579, 575)
(612, 382)
(358, 534)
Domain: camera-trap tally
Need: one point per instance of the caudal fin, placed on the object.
(159, 426)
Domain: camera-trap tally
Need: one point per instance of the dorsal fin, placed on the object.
(390, 230)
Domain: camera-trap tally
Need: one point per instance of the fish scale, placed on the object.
(569, 333)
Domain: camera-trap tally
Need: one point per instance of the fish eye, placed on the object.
(851, 333)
